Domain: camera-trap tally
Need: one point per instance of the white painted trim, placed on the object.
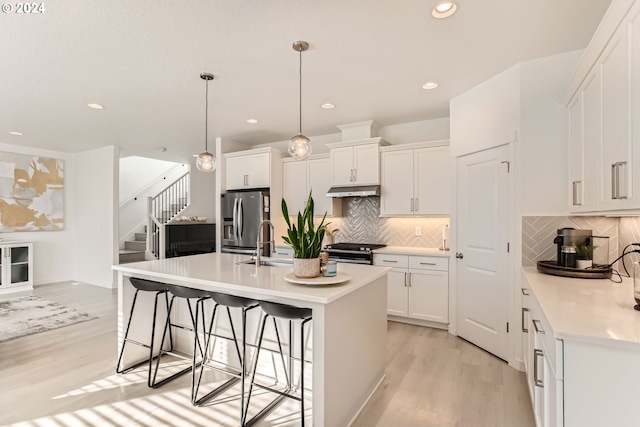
(416, 145)
(375, 389)
(377, 140)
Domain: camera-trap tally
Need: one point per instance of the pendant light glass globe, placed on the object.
(206, 162)
(299, 147)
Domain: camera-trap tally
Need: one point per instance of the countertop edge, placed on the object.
(562, 332)
(408, 250)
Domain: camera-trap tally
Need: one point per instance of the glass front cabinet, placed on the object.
(16, 266)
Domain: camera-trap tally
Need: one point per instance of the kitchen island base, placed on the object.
(348, 329)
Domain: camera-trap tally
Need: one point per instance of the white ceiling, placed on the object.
(142, 60)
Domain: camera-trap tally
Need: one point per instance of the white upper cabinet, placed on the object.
(294, 185)
(616, 164)
(302, 176)
(634, 40)
(355, 163)
(585, 140)
(248, 169)
(603, 99)
(415, 179)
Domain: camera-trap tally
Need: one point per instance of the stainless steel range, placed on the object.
(353, 253)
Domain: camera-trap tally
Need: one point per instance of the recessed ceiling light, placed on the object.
(252, 121)
(16, 133)
(430, 85)
(95, 106)
(444, 9)
(328, 106)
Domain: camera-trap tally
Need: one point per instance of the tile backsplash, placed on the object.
(538, 234)
(361, 224)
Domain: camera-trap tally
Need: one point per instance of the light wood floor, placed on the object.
(66, 377)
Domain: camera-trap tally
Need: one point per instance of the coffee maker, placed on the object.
(570, 237)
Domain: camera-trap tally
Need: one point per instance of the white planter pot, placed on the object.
(306, 267)
(584, 263)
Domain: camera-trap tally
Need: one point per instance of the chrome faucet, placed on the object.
(260, 243)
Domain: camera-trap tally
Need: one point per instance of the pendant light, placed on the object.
(299, 145)
(206, 162)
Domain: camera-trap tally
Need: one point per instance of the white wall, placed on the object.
(487, 115)
(404, 133)
(52, 250)
(203, 193)
(420, 131)
(137, 172)
(95, 239)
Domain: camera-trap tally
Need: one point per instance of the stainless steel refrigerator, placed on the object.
(242, 213)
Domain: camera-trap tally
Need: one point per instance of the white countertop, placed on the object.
(221, 272)
(408, 250)
(592, 310)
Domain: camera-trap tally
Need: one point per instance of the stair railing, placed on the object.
(162, 209)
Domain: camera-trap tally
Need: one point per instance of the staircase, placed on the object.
(162, 209)
(134, 250)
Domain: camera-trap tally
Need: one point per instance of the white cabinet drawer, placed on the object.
(429, 263)
(391, 260)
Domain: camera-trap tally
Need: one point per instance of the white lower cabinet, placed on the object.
(544, 362)
(16, 262)
(417, 287)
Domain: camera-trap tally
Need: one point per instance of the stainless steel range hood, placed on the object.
(354, 191)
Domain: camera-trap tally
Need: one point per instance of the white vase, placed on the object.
(584, 263)
(306, 267)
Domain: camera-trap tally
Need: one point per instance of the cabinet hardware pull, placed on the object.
(538, 329)
(525, 330)
(427, 263)
(537, 381)
(577, 193)
(459, 255)
(415, 205)
(525, 291)
(405, 280)
(614, 179)
(412, 205)
(389, 260)
(355, 175)
(410, 279)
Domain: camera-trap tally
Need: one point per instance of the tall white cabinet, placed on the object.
(415, 179)
(16, 266)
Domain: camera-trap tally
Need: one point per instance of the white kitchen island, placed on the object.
(349, 326)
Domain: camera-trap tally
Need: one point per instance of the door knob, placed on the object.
(459, 255)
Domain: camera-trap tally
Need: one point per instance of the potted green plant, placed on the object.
(584, 256)
(305, 240)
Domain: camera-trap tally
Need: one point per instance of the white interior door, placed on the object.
(482, 257)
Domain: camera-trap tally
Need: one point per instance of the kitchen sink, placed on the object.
(270, 262)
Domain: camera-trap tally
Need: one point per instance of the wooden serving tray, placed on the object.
(550, 267)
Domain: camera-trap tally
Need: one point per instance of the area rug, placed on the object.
(28, 315)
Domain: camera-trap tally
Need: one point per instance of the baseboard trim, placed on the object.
(353, 420)
(418, 322)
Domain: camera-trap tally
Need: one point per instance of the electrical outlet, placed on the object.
(418, 231)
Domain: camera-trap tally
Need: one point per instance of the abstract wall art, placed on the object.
(31, 193)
